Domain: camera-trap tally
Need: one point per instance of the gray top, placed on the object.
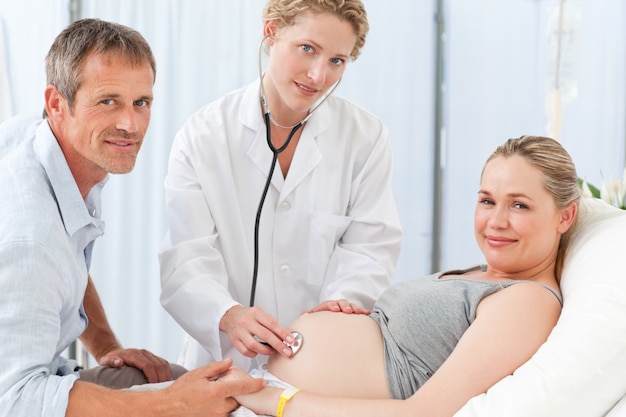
(422, 320)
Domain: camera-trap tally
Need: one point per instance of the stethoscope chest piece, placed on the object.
(297, 343)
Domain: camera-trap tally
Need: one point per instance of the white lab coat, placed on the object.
(329, 230)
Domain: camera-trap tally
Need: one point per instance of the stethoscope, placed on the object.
(275, 151)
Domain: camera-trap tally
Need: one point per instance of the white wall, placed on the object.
(498, 76)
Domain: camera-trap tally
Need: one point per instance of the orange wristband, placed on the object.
(285, 396)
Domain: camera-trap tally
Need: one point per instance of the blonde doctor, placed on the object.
(279, 195)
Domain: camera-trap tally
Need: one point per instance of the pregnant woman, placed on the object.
(431, 344)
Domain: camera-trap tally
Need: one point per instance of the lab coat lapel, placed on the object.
(259, 152)
(308, 153)
(262, 156)
(305, 159)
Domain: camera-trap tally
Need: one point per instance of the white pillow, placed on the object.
(581, 369)
(619, 410)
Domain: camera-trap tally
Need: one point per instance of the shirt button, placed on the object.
(285, 206)
(284, 269)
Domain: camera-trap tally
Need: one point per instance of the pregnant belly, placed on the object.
(341, 355)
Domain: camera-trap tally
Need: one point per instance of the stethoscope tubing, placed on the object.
(275, 151)
(268, 181)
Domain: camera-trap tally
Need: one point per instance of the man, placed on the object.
(97, 110)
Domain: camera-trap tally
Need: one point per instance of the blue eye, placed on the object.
(337, 61)
(107, 101)
(307, 48)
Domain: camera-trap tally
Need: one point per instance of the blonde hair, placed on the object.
(559, 172)
(352, 11)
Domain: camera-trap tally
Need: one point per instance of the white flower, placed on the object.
(585, 190)
(613, 191)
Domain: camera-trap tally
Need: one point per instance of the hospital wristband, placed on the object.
(285, 396)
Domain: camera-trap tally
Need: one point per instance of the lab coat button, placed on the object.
(284, 269)
(285, 206)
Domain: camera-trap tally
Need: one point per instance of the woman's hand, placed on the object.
(262, 402)
(253, 331)
(343, 306)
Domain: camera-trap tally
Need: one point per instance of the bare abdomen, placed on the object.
(342, 355)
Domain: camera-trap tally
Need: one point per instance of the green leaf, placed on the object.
(595, 192)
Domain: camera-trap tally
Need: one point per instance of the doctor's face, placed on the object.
(306, 59)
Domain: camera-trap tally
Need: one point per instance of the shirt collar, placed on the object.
(75, 212)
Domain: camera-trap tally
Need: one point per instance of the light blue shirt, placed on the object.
(46, 235)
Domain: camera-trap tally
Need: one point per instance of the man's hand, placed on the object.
(202, 393)
(197, 393)
(155, 369)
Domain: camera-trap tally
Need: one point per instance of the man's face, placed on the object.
(103, 131)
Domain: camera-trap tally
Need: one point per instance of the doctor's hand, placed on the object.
(246, 326)
(337, 306)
